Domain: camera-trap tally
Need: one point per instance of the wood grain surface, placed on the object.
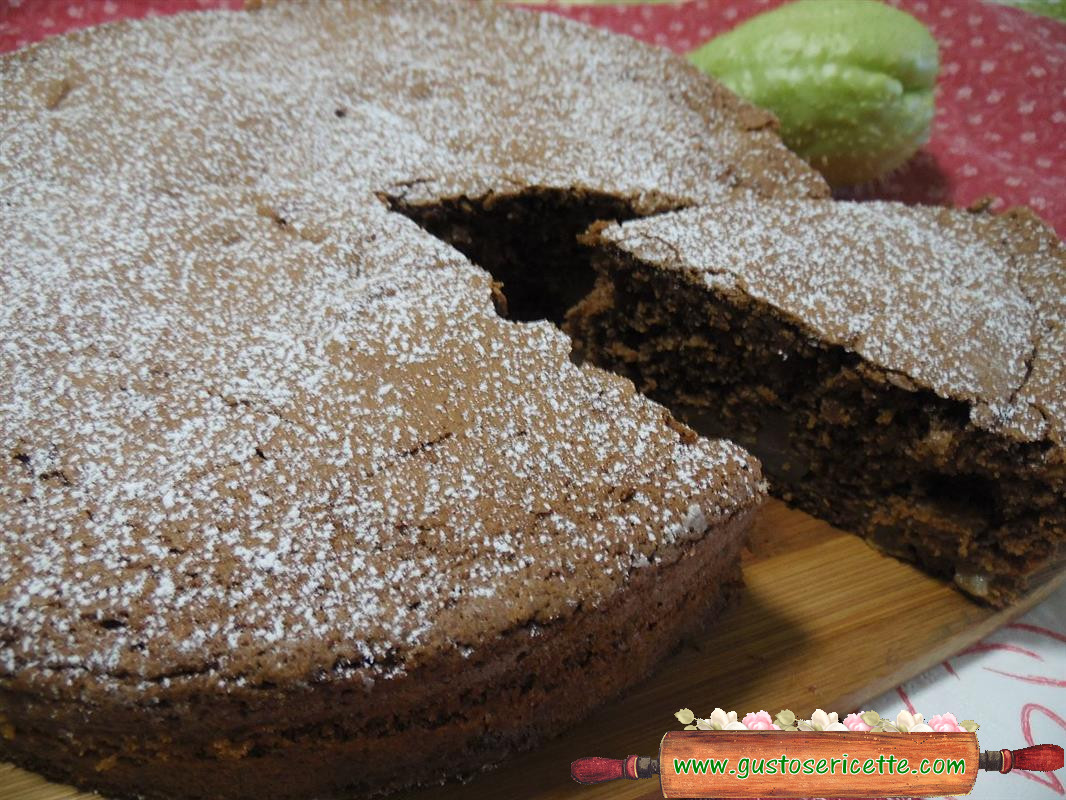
(824, 621)
(817, 751)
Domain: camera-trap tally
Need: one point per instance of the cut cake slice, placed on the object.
(899, 370)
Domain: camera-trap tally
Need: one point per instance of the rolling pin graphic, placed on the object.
(797, 764)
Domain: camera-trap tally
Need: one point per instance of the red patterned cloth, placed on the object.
(1000, 127)
(25, 21)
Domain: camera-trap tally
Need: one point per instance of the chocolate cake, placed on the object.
(899, 371)
(287, 509)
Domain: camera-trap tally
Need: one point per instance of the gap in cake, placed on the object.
(528, 242)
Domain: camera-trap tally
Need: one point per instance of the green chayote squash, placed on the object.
(851, 81)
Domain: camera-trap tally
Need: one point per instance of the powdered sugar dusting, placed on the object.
(254, 424)
(970, 306)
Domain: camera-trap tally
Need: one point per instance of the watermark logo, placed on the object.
(861, 755)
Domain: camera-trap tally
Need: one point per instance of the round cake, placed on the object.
(289, 506)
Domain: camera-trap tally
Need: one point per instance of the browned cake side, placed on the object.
(340, 734)
(286, 508)
(900, 371)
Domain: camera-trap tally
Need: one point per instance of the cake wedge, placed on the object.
(900, 371)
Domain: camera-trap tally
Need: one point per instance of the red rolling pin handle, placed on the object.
(1038, 758)
(595, 769)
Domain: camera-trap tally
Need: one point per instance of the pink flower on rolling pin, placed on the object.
(945, 723)
(759, 722)
(853, 722)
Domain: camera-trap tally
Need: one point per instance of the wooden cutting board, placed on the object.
(823, 622)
